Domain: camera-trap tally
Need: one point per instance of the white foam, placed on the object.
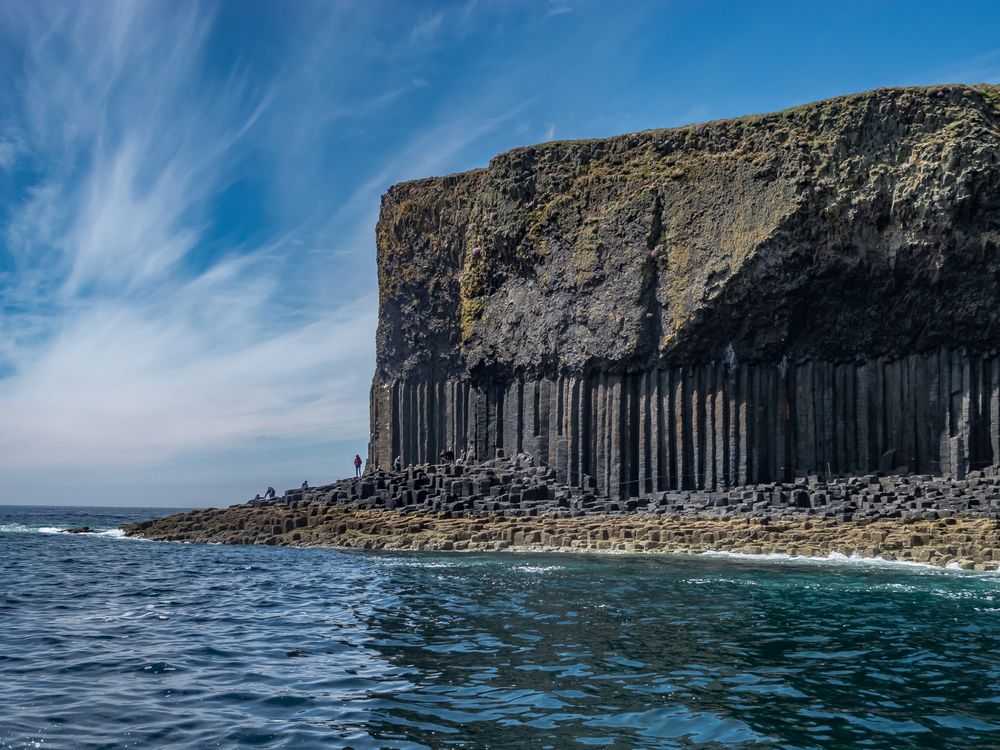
(712, 581)
(20, 528)
(537, 568)
(834, 558)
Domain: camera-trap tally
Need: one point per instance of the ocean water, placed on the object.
(108, 642)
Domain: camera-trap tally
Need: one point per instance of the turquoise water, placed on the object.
(110, 642)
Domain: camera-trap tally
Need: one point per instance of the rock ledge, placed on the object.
(517, 506)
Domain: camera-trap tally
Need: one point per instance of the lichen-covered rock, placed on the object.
(862, 225)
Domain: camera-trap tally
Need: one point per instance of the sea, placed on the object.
(110, 642)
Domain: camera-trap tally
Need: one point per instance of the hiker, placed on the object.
(449, 455)
(269, 494)
(305, 485)
(357, 465)
(461, 458)
(397, 463)
(257, 498)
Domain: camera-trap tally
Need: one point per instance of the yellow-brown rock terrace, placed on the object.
(514, 505)
(970, 543)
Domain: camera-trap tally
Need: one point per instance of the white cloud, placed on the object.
(427, 28)
(137, 338)
(8, 153)
(127, 233)
(116, 351)
(115, 388)
(557, 8)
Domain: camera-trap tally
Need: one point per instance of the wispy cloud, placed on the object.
(982, 68)
(137, 329)
(557, 8)
(119, 348)
(116, 387)
(8, 153)
(427, 28)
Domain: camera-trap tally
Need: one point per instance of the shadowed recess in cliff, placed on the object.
(811, 290)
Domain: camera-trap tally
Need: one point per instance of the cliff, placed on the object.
(734, 302)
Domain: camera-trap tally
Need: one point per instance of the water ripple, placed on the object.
(109, 643)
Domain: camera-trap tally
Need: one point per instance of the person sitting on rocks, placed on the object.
(397, 463)
(449, 455)
(257, 498)
(270, 493)
(305, 485)
(357, 464)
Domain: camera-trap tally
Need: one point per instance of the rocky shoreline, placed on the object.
(517, 506)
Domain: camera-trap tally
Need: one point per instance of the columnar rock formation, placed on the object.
(811, 291)
(513, 504)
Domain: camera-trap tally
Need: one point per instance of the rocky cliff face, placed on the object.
(740, 301)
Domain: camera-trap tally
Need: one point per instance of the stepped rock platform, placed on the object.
(515, 505)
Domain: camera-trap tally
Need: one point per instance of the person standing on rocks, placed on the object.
(397, 463)
(357, 464)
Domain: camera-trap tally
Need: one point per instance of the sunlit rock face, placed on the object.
(809, 291)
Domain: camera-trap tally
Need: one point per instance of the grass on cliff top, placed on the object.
(989, 92)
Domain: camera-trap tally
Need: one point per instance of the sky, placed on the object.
(188, 195)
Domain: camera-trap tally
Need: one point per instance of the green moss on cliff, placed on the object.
(992, 95)
(472, 288)
(472, 313)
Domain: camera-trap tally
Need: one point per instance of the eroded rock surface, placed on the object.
(859, 226)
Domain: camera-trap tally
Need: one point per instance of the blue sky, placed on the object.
(188, 194)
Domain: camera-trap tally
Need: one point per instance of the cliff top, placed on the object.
(988, 92)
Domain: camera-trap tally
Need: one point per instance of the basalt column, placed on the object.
(723, 426)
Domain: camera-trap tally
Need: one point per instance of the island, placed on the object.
(771, 334)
